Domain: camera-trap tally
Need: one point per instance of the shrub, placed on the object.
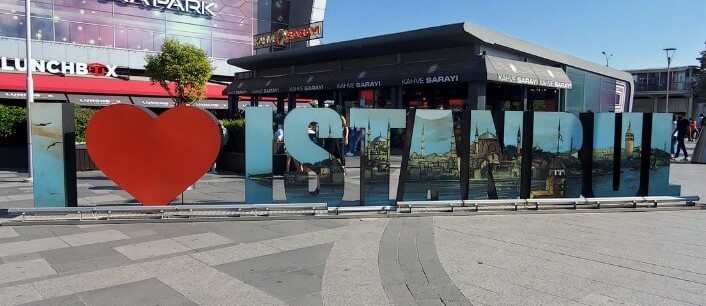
(236, 134)
(81, 117)
(13, 125)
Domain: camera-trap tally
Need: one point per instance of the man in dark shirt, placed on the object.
(682, 131)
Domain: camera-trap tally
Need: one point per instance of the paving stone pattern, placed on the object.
(606, 258)
(611, 258)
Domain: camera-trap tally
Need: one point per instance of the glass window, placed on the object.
(608, 95)
(652, 81)
(121, 38)
(186, 19)
(42, 29)
(187, 29)
(206, 45)
(159, 40)
(62, 30)
(12, 6)
(77, 35)
(597, 93)
(140, 40)
(11, 25)
(130, 25)
(235, 8)
(574, 96)
(231, 30)
(136, 22)
(83, 15)
(186, 39)
(106, 6)
(542, 99)
(592, 91)
(40, 9)
(229, 49)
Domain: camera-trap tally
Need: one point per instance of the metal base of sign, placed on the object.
(191, 213)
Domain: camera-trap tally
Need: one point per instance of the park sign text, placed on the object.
(496, 155)
(195, 7)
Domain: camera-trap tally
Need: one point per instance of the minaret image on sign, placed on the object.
(422, 141)
(629, 140)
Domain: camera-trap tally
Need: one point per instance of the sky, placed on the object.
(634, 31)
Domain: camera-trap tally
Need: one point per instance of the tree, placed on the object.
(700, 80)
(181, 69)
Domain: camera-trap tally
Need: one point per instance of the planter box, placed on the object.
(235, 161)
(231, 161)
(13, 157)
(83, 160)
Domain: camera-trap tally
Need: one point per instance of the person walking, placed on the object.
(692, 129)
(674, 136)
(224, 141)
(682, 131)
(334, 145)
(352, 146)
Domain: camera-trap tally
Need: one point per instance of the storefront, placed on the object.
(90, 91)
(442, 67)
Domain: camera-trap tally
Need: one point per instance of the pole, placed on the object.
(30, 87)
(669, 61)
(607, 58)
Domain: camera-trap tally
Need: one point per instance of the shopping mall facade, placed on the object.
(92, 52)
(439, 67)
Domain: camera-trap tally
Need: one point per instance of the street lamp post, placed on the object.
(607, 58)
(670, 54)
(30, 86)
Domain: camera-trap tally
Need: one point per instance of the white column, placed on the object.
(30, 85)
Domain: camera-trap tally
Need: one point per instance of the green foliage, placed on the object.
(180, 69)
(81, 117)
(13, 122)
(236, 134)
(700, 81)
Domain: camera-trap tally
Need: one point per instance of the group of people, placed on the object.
(684, 129)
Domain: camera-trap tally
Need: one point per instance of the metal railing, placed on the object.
(537, 204)
(248, 211)
(167, 212)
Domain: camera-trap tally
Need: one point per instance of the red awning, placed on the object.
(94, 85)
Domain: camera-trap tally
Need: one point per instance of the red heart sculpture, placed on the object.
(153, 158)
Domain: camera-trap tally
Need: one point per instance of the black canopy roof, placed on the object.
(441, 71)
(449, 71)
(440, 37)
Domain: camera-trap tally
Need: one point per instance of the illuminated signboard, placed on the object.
(284, 37)
(196, 7)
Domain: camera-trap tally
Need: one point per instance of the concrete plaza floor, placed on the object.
(602, 258)
(639, 258)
